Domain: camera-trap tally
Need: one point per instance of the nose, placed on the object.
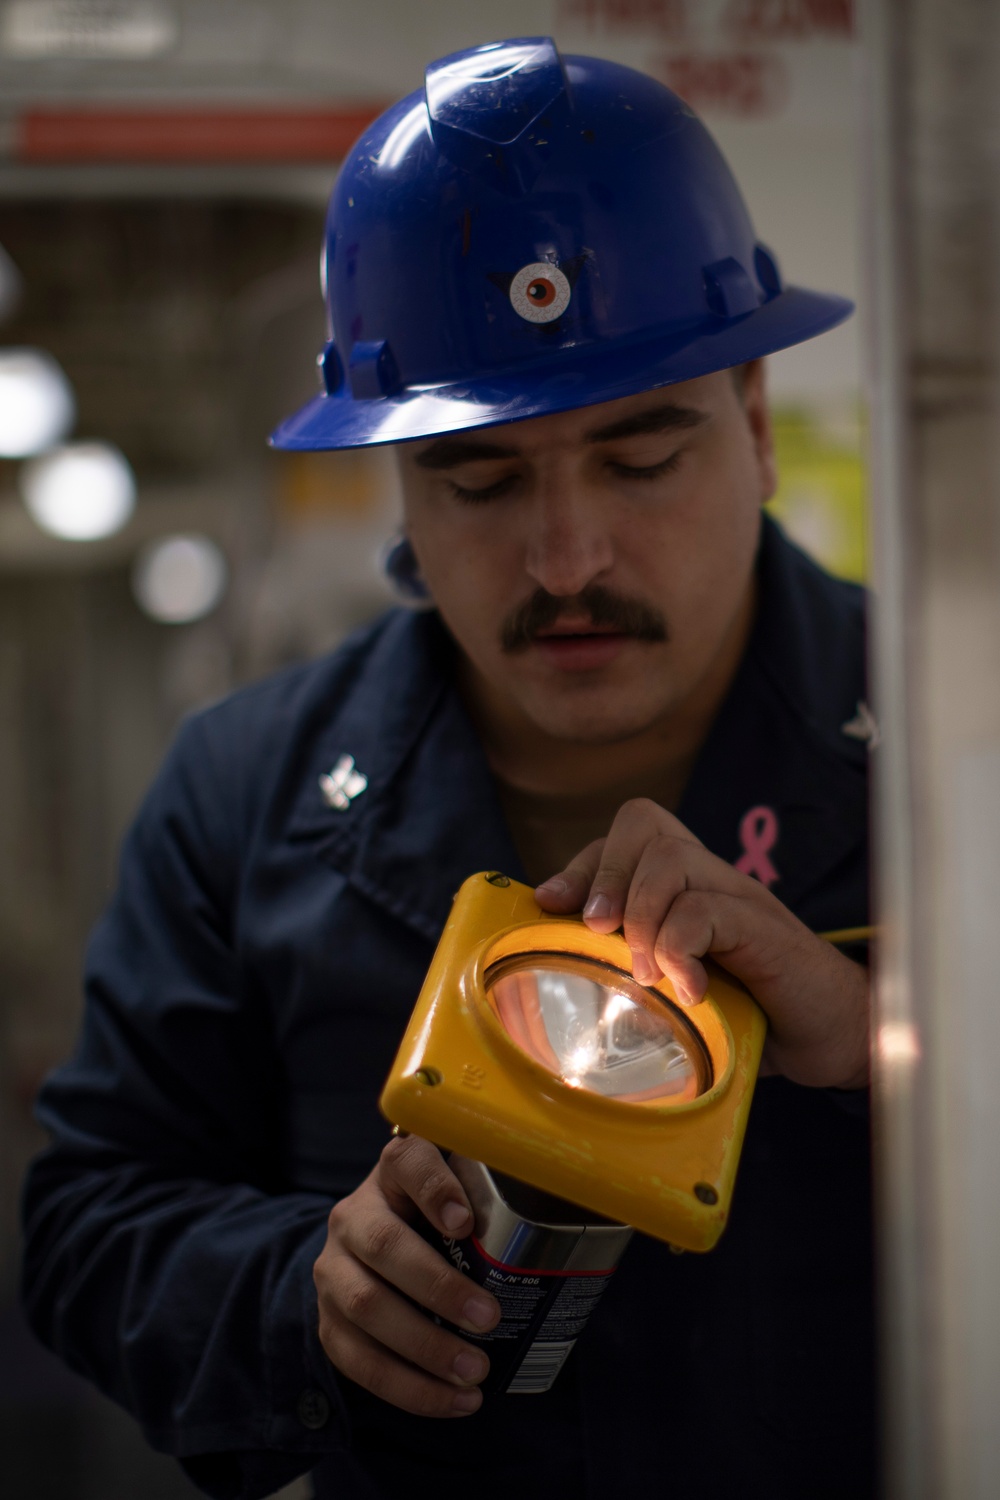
(569, 545)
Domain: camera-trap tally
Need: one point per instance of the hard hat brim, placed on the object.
(563, 380)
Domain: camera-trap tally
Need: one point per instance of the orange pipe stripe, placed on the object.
(172, 135)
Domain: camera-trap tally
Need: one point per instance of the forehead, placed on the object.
(684, 406)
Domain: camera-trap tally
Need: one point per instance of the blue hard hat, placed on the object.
(531, 233)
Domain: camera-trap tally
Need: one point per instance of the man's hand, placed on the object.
(676, 902)
(372, 1255)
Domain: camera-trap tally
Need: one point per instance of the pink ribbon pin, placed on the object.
(758, 835)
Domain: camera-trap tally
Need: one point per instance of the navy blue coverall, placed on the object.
(246, 992)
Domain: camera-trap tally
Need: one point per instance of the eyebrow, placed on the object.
(448, 453)
(451, 452)
(669, 418)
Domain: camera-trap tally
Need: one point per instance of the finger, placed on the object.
(568, 890)
(388, 1246)
(636, 824)
(413, 1174)
(668, 866)
(729, 927)
(390, 1320)
(362, 1359)
(661, 875)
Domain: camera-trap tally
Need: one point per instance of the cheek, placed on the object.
(696, 554)
(720, 510)
(469, 568)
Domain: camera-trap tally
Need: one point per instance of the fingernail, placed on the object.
(479, 1312)
(641, 970)
(686, 996)
(598, 906)
(469, 1366)
(467, 1401)
(554, 887)
(453, 1216)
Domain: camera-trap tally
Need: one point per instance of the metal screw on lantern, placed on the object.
(429, 1076)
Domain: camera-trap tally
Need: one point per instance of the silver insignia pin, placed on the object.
(341, 785)
(863, 727)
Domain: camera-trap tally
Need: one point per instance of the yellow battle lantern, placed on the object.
(532, 1049)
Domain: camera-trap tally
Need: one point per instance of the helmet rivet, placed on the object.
(331, 371)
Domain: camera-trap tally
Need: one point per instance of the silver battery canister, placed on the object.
(546, 1261)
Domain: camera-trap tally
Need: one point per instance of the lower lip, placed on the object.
(579, 653)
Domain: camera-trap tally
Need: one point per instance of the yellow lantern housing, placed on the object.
(533, 1049)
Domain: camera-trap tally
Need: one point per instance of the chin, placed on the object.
(593, 724)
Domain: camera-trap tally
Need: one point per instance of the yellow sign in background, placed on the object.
(821, 499)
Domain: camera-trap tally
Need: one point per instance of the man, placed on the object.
(543, 284)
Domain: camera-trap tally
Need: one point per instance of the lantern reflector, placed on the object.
(597, 1029)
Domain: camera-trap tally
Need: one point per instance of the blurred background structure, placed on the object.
(932, 194)
(164, 166)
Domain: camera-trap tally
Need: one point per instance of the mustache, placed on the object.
(601, 606)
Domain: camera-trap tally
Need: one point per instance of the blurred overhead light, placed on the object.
(36, 402)
(81, 491)
(180, 578)
(87, 28)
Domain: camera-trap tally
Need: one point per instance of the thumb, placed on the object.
(568, 890)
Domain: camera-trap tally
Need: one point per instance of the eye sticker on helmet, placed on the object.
(540, 292)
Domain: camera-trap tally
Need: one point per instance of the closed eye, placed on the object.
(649, 471)
(493, 491)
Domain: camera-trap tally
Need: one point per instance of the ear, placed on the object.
(758, 415)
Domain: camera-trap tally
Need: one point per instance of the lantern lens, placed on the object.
(596, 1028)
